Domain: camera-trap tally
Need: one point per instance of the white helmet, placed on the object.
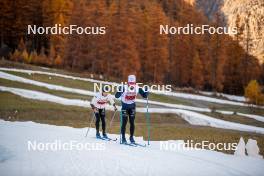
(131, 79)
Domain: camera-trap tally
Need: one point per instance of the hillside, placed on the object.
(131, 42)
(250, 14)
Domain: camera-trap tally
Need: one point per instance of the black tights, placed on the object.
(100, 115)
(125, 113)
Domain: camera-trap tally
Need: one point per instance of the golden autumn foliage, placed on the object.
(15, 56)
(132, 43)
(25, 57)
(58, 61)
(253, 93)
(34, 57)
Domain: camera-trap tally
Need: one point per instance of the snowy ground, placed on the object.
(230, 97)
(114, 159)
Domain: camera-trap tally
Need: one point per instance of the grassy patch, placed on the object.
(78, 84)
(14, 84)
(169, 99)
(77, 73)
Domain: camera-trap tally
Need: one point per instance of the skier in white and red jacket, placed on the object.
(128, 95)
(98, 104)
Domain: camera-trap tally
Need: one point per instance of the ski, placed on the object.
(140, 145)
(128, 144)
(109, 139)
(106, 139)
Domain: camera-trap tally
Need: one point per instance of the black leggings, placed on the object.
(131, 113)
(100, 114)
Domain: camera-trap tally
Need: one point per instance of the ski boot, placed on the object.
(105, 135)
(123, 140)
(98, 135)
(132, 140)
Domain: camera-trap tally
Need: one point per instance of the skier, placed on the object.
(98, 105)
(128, 96)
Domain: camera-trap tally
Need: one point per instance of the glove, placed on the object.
(115, 108)
(146, 91)
(95, 109)
(147, 94)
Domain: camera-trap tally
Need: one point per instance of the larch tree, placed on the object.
(122, 48)
(157, 51)
(76, 49)
(197, 80)
(253, 93)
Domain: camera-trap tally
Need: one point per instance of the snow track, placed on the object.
(175, 94)
(11, 77)
(191, 117)
(115, 159)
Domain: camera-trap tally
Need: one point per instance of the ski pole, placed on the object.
(88, 129)
(148, 122)
(112, 119)
(120, 116)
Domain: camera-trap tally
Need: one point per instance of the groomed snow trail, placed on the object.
(112, 159)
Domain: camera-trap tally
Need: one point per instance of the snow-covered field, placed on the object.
(111, 158)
